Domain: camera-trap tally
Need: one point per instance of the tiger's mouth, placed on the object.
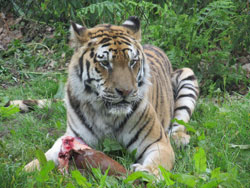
(121, 104)
(121, 107)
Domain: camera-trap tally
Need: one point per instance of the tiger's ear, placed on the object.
(78, 35)
(134, 25)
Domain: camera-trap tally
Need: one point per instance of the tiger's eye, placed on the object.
(105, 63)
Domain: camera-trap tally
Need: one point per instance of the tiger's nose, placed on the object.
(123, 92)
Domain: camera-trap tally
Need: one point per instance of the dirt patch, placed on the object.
(20, 28)
(7, 33)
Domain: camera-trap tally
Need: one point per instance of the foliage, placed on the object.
(207, 36)
(7, 112)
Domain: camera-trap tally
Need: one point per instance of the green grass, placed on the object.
(217, 125)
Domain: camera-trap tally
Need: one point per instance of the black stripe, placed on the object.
(92, 79)
(164, 71)
(119, 32)
(88, 89)
(139, 120)
(75, 104)
(149, 131)
(149, 55)
(126, 43)
(115, 50)
(88, 66)
(141, 83)
(157, 140)
(186, 95)
(179, 72)
(87, 82)
(121, 125)
(96, 69)
(157, 52)
(81, 66)
(162, 56)
(140, 71)
(192, 77)
(77, 135)
(70, 126)
(107, 44)
(124, 49)
(153, 96)
(104, 40)
(186, 86)
(184, 108)
(101, 35)
(92, 54)
(135, 138)
(157, 95)
(125, 38)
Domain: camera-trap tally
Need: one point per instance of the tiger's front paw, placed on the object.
(151, 170)
(33, 165)
(180, 138)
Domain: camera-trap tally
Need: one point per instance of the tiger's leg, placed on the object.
(152, 145)
(186, 92)
(159, 153)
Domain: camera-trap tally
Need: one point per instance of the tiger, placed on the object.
(118, 88)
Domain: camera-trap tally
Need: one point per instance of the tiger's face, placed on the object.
(111, 64)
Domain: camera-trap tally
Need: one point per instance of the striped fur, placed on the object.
(117, 88)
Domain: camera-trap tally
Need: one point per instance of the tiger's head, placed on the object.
(108, 68)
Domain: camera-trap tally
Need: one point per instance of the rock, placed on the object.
(246, 67)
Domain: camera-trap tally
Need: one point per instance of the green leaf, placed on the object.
(210, 124)
(111, 145)
(97, 173)
(215, 173)
(200, 161)
(43, 176)
(103, 179)
(211, 184)
(6, 112)
(202, 136)
(12, 132)
(166, 175)
(181, 122)
(139, 175)
(41, 157)
(82, 181)
(70, 185)
(186, 179)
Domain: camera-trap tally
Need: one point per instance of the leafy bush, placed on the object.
(207, 36)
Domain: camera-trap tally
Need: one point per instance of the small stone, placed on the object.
(246, 67)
